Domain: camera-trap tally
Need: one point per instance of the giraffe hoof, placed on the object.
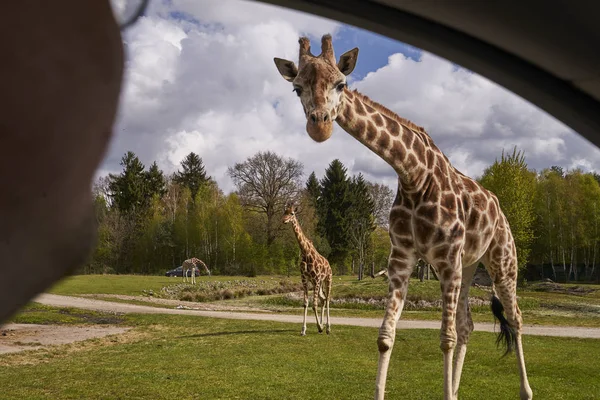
(328, 331)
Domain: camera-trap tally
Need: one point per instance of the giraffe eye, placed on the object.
(341, 86)
(298, 91)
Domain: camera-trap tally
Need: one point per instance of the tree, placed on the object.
(101, 188)
(558, 170)
(596, 177)
(548, 227)
(333, 207)
(234, 228)
(155, 182)
(192, 174)
(127, 189)
(360, 222)
(264, 183)
(383, 198)
(313, 189)
(515, 187)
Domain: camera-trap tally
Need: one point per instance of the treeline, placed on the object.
(554, 216)
(149, 222)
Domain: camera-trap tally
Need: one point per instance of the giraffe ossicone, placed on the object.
(314, 269)
(439, 215)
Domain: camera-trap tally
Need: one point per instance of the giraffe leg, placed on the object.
(450, 283)
(305, 287)
(400, 267)
(328, 282)
(507, 293)
(464, 326)
(322, 298)
(316, 289)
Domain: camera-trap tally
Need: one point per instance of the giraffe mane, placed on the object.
(389, 113)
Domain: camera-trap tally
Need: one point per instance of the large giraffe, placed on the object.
(439, 215)
(192, 265)
(314, 268)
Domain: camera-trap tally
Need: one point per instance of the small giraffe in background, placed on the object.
(314, 269)
(192, 265)
(439, 215)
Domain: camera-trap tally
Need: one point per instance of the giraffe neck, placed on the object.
(403, 145)
(302, 240)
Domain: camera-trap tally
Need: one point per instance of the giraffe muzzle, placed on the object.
(319, 125)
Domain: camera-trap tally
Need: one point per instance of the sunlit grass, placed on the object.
(538, 307)
(180, 357)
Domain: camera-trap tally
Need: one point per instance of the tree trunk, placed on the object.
(360, 270)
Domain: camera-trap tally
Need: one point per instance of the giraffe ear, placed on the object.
(286, 68)
(348, 61)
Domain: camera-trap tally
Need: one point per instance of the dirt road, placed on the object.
(102, 305)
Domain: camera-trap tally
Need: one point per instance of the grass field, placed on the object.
(351, 297)
(180, 357)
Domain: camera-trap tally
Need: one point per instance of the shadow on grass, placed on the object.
(238, 333)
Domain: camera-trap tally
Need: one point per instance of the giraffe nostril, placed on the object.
(326, 118)
(313, 118)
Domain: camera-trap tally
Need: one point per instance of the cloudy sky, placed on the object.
(200, 77)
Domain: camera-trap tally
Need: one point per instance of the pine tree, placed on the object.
(313, 189)
(192, 174)
(155, 182)
(333, 206)
(127, 188)
(360, 222)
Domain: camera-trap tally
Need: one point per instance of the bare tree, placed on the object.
(101, 188)
(265, 182)
(383, 197)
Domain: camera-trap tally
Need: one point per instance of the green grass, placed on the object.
(36, 313)
(538, 307)
(138, 285)
(180, 357)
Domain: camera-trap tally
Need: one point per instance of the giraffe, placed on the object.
(439, 215)
(314, 268)
(192, 265)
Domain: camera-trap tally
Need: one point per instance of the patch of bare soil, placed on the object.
(20, 337)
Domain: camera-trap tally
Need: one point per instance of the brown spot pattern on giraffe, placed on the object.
(371, 131)
(439, 213)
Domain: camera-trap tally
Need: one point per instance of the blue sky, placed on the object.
(374, 49)
(200, 77)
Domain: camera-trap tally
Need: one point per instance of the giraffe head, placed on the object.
(319, 82)
(289, 212)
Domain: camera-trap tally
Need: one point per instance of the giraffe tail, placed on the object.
(507, 336)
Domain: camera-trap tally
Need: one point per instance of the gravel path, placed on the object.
(102, 305)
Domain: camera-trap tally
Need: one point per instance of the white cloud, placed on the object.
(212, 88)
(470, 118)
